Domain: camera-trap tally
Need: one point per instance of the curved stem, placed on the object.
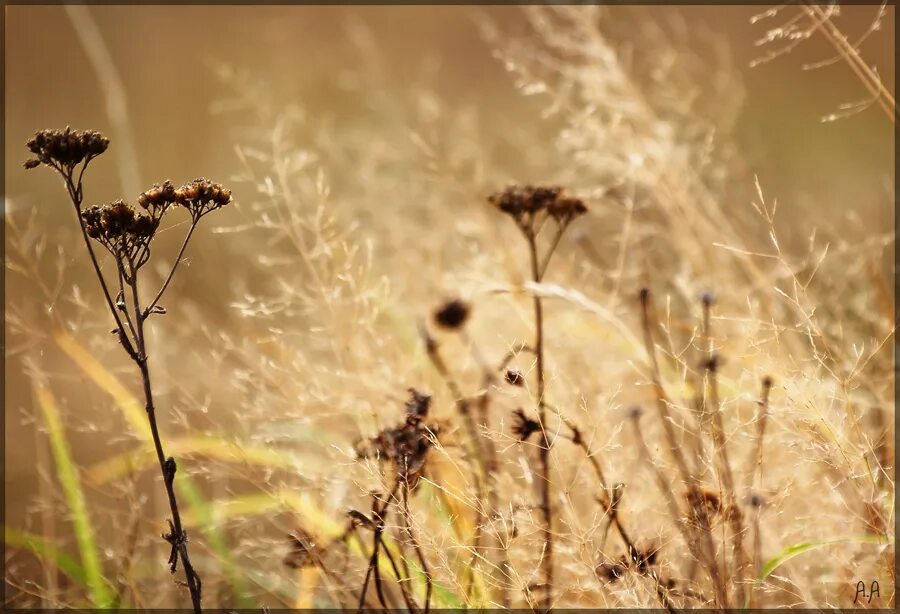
(75, 195)
(171, 274)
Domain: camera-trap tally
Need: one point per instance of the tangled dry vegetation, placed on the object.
(432, 391)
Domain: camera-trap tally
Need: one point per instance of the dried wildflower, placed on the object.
(124, 232)
(418, 404)
(527, 204)
(516, 378)
(406, 446)
(63, 150)
(202, 196)
(303, 550)
(611, 571)
(452, 314)
(524, 427)
(157, 199)
(518, 201)
(566, 208)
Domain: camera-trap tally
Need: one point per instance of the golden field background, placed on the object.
(360, 144)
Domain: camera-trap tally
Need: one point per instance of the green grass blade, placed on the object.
(201, 509)
(797, 549)
(46, 552)
(98, 589)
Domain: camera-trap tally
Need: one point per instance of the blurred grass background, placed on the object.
(837, 175)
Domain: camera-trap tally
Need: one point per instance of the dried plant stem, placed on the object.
(135, 347)
(373, 572)
(756, 477)
(708, 551)
(477, 449)
(732, 511)
(187, 237)
(701, 549)
(537, 271)
(847, 51)
(176, 537)
(610, 502)
(662, 401)
(76, 194)
(407, 521)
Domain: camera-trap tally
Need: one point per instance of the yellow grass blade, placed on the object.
(100, 593)
(131, 408)
(209, 447)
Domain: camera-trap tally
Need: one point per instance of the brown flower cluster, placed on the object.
(121, 230)
(526, 204)
(157, 199)
(201, 196)
(64, 149)
(406, 446)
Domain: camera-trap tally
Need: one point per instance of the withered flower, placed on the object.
(406, 446)
(121, 230)
(418, 404)
(452, 314)
(566, 208)
(518, 201)
(528, 205)
(157, 199)
(524, 426)
(202, 196)
(63, 150)
(515, 378)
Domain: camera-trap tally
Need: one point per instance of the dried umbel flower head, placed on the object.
(202, 196)
(157, 199)
(406, 446)
(124, 232)
(452, 314)
(529, 205)
(524, 427)
(63, 150)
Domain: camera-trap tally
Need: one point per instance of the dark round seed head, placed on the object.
(452, 314)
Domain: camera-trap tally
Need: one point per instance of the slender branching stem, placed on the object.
(756, 477)
(476, 451)
(407, 521)
(177, 536)
(732, 511)
(544, 449)
(701, 549)
(76, 195)
(152, 304)
(379, 515)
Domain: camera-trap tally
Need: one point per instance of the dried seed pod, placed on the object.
(452, 314)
